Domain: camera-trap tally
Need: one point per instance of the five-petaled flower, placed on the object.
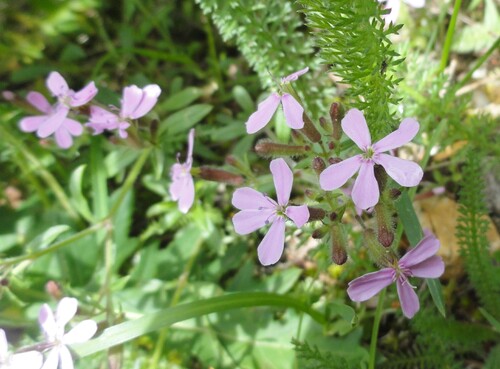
(420, 261)
(266, 109)
(365, 192)
(55, 119)
(182, 186)
(136, 103)
(53, 329)
(258, 209)
(22, 360)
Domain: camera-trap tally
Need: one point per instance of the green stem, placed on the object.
(151, 322)
(98, 178)
(449, 36)
(375, 328)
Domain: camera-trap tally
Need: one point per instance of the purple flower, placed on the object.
(266, 109)
(53, 329)
(136, 103)
(257, 210)
(22, 360)
(420, 261)
(182, 186)
(365, 192)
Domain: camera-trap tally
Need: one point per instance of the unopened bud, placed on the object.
(267, 148)
(381, 177)
(333, 216)
(231, 160)
(385, 236)
(219, 175)
(385, 232)
(8, 95)
(316, 214)
(334, 160)
(310, 130)
(153, 127)
(324, 124)
(318, 165)
(394, 193)
(339, 244)
(53, 290)
(297, 137)
(331, 145)
(319, 233)
(310, 194)
(336, 114)
(4, 282)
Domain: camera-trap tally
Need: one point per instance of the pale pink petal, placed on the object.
(182, 188)
(122, 129)
(264, 113)
(429, 268)
(355, 127)
(39, 101)
(100, 115)
(73, 127)
(408, 298)
(248, 221)
(53, 122)
(407, 130)
(150, 95)
(65, 359)
(368, 285)
(82, 332)
(426, 248)
(415, 3)
(248, 198)
(83, 96)
(66, 310)
(31, 124)
(63, 138)
(294, 76)
(26, 360)
(272, 245)
(293, 111)
(365, 192)
(336, 175)
(404, 172)
(57, 84)
(47, 322)
(394, 6)
(189, 158)
(132, 96)
(52, 359)
(298, 214)
(177, 173)
(283, 180)
(4, 346)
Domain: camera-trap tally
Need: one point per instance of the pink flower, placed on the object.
(53, 329)
(266, 109)
(395, 5)
(182, 186)
(420, 261)
(136, 103)
(365, 192)
(22, 360)
(257, 210)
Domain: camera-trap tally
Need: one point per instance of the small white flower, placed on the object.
(23, 360)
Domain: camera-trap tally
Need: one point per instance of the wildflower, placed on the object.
(53, 329)
(395, 5)
(23, 360)
(257, 210)
(182, 186)
(365, 192)
(266, 109)
(420, 261)
(136, 103)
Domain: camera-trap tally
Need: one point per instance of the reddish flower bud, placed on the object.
(316, 213)
(334, 160)
(268, 148)
(338, 243)
(219, 175)
(336, 114)
(310, 130)
(318, 165)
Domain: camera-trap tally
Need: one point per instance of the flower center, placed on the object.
(368, 154)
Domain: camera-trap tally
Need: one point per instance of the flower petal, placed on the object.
(283, 180)
(82, 332)
(26, 360)
(189, 158)
(429, 268)
(39, 101)
(63, 138)
(83, 96)
(4, 346)
(52, 359)
(408, 298)
(272, 245)
(31, 124)
(336, 175)
(73, 127)
(65, 359)
(150, 94)
(57, 84)
(407, 130)
(365, 192)
(248, 221)
(66, 310)
(415, 3)
(47, 322)
(53, 122)
(248, 198)
(264, 113)
(298, 214)
(132, 96)
(426, 248)
(355, 127)
(294, 76)
(293, 111)
(404, 172)
(368, 285)
(394, 6)
(182, 189)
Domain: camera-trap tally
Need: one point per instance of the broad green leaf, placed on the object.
(184, 119)
(179, 100)
(243, 98)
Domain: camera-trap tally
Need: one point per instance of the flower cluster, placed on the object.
(55, 120)
(56, 340)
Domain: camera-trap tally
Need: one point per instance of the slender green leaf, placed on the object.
(184, 119)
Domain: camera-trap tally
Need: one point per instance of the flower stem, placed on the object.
(375, 329)
(449, 36)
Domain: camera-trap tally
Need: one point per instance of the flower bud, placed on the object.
(310, 194)
(309, 129)
(333, 216)
(394, 193)
(323, 123)
(381, 177)
(319, 233)
(316, 213)
(331, 145)
(385, 231)
(318, 165)
(267, 148)
(219, 175)
(334, 160)
(338, 243)
(336, 114)
(297, 137)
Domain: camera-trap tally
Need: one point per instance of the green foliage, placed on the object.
(353, 40)
(471, 231)
(418, 357)
(313, 358)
